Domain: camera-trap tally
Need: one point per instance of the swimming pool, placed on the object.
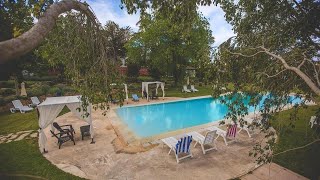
(154, 119)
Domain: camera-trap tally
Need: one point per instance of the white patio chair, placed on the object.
(313, 121)
(185, 89)
(181, 146)
(19, 107)
(231, 133)
(250, 127)
(209, 139)
(194, 89)
(35, 101)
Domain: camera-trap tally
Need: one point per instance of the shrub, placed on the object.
(131, 79)
(7, 84)
(35, 92)
(155, 73)
(133, 70)
(54, 90)
(43, 78)
(145, 79)
(68, 89)
(7, 91)
(45, 89)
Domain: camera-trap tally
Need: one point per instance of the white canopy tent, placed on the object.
(50, 109)
(146, 88)
(125, 90)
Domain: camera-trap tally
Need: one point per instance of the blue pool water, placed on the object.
(153, 119)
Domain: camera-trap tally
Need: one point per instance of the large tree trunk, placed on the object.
(31, 39)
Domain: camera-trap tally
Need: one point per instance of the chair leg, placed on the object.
(225, 140)
(248, 132)
(202, 147)
(170, 151)
(195, 144)
(177, 158)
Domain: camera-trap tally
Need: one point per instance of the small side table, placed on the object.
(85, 131)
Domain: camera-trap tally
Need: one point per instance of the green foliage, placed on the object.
(24, 157)
(133, 70)
(42, 78)
(35, 92)
(116, 37)
(79, 45)
(7, 84)
(166, 47)
(145, 79)
(7, 91)
(54, 90)
(11, 123)
(305, 161)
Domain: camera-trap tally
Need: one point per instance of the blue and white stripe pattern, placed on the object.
(183, 145)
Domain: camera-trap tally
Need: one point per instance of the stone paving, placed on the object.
(101, 161)
(18, 136)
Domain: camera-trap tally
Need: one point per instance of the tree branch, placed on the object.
(270, 76)
(301, 147)
(240, 54)
(31, 39)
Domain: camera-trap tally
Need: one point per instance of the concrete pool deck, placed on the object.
(102, 161)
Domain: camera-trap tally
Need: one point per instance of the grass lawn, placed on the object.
(304, 161)
(11, 123)
(24, 158)
(15, 122)
(176, 92)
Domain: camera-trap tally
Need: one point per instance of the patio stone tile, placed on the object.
(100, 161)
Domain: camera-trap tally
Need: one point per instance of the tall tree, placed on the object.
(12, 25)
(116, 38)
(165, 46)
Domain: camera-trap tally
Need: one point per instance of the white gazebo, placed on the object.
(50, 109)
(146, 88)
(125, 90)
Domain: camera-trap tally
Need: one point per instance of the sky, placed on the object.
(106, 10)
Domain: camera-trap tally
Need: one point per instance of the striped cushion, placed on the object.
(232, 131)
(183, 145)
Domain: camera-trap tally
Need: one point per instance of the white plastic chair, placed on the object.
(185, 89)
(231, 133)
(313, 121)
(19, 107)
(194, 89)
(209, 139)
(181, 146)
(35, 101)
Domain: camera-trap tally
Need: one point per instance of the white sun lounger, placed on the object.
(19, 107)
(313, 121)
(194, 89)
(35, 101)
(185, 89)
(249, 128)
(209, 139)
(231, 133)
(181, 146)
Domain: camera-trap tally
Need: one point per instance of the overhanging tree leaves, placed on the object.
(167, 47)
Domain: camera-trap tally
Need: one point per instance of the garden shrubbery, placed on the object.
(7, 91)
(7, 84)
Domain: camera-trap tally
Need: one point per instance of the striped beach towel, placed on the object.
(232, 131)
(183, 145)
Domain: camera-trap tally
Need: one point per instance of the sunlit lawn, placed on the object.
(304, 161)
(21, 158)
(15, 122)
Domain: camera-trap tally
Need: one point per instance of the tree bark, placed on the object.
(302, 75)
(31, 39)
